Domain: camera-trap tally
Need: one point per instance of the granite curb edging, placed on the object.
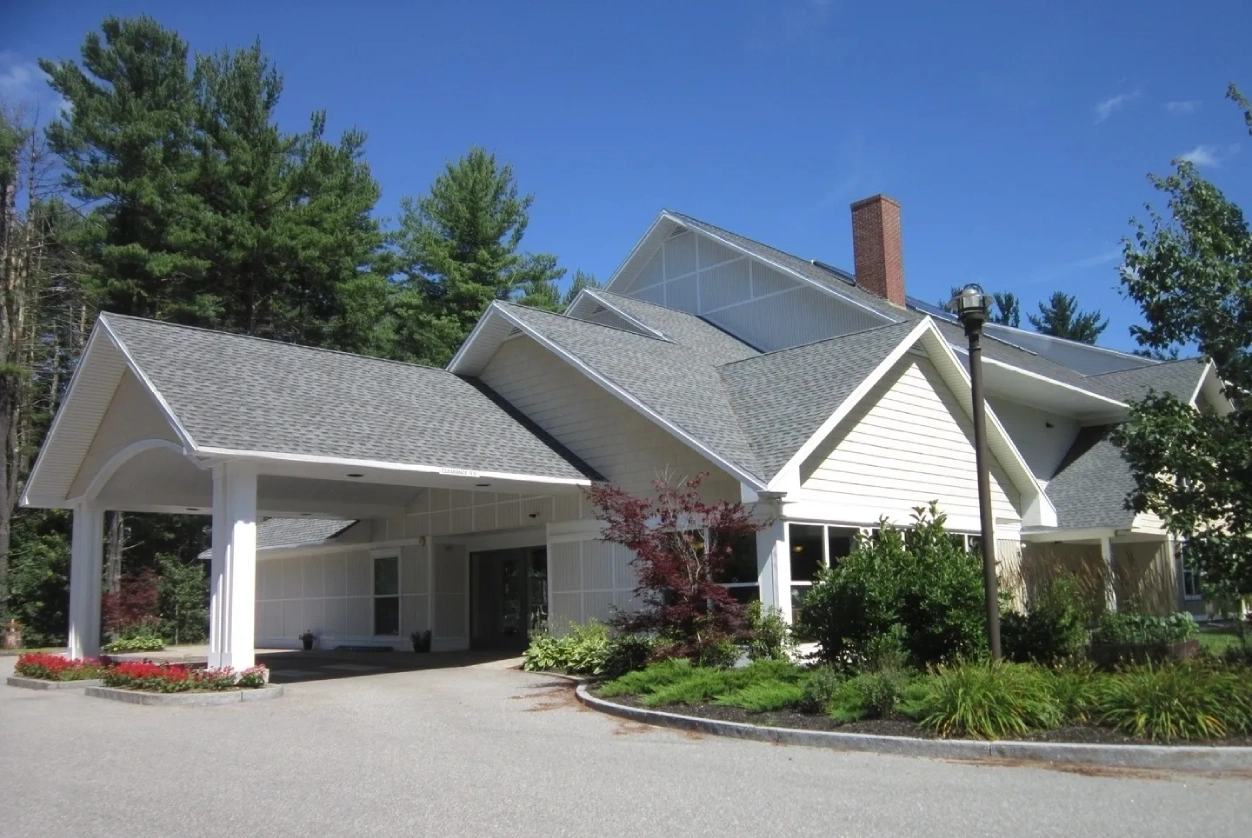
(1161, 757)
(43, 684)
(204, 699)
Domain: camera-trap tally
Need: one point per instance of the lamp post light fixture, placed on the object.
(971, 307)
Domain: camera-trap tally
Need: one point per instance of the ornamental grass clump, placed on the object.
(1177, 701)
(48, 667)
(988, 700)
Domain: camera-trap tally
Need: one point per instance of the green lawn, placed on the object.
(1218, 639)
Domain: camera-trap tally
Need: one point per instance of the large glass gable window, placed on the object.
(740, 575)
(811, 548)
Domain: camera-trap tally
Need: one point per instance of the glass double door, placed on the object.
(508, 597)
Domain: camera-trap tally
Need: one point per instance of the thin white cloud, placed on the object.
(1202, 155)
(25, 86)
(1183, 106)
(1059, 272)
(1105, 108)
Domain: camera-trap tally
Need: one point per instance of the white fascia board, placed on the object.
(1047, 536)
(1090, 347)
(787, 478)
(383, 465)
(471, 339)
(608, 384)
(32, 479)
(812, 283)
(639, 246)
(189, 444)
(588, 293)
(1104, 400)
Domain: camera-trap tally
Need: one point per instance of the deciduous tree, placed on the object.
(1190, 271)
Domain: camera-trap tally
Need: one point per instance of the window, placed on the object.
(387, 596)
(1190, 576)
(740, 574)
(812, 547)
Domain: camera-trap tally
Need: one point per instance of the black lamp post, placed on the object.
(971, 306)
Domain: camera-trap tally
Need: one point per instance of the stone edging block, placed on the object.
(186, 699)
(41, 684)
(1163, 757)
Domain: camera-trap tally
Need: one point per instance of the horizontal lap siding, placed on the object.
(907, 443)
(621, 444)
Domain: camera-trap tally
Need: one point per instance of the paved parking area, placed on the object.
(483, 749)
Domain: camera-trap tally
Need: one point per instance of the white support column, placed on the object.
(774, 568)
(232, 591)
(86, 570)
(1110, 591)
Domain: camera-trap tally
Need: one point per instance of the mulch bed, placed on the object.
(903, 726)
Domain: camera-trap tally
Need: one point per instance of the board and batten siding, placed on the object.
(908, 442)
(587, 580)
(332, 595)
(625, 447)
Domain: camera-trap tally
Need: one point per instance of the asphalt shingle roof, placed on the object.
(681, 383)
(782, 398)
(285, 532)
(1090, 487)
(1180, 378)
(237, 392)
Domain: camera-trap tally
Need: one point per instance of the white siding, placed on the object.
(133, 415)
(757, 303)
(1042, 438)
(907, 443)
(621, 444)
(452, 512)
(332, 596)
(451, 597)
(587, 580)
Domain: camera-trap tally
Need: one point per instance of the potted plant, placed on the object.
(12, 635)
(307, 639)
(421, 640)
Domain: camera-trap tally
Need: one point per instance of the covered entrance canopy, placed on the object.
(167, 418)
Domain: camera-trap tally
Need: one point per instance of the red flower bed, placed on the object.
(176, 678)
(57, 668)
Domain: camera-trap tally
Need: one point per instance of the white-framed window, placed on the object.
(815, 546)
(740, 575)
(387, 595)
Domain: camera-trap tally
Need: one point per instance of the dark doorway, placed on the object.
(509, 597)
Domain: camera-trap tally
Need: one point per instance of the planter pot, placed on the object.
(422, 643)
(1109, 655)
(307, 642)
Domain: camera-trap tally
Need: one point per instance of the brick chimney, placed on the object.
(878, 258)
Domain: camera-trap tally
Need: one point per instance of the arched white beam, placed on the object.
(120, 459)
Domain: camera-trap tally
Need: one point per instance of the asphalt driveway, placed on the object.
(487, 750)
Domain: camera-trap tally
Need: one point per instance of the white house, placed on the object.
(365, 499)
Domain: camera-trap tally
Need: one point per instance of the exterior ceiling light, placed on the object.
(482, 485)
(356, 474)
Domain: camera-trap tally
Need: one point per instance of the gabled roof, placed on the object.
(1090, 487)
(781, 402)
(232, 395)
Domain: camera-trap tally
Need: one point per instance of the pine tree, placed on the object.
(459, 250)
(581, 280)
(1061, 317)
(1008, 310)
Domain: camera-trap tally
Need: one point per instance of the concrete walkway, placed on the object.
(487, 750)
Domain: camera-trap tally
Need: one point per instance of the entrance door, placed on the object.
(509, 596)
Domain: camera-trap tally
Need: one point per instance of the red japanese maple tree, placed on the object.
(682, 544)
(135, 602)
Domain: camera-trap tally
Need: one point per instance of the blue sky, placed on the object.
(1017, 136)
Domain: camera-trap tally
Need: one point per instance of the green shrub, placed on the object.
(820, 689)
(583, 651)
(769, 636)
(1121, 628)
(136, 643)
(647, 680)
(700, 685)
(870, 695)
(1052, 630)
(1174, 701)
(989, 701)
(763, 696)
(722, 654)
(627, 654)
(887, 651)
(920, 579)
